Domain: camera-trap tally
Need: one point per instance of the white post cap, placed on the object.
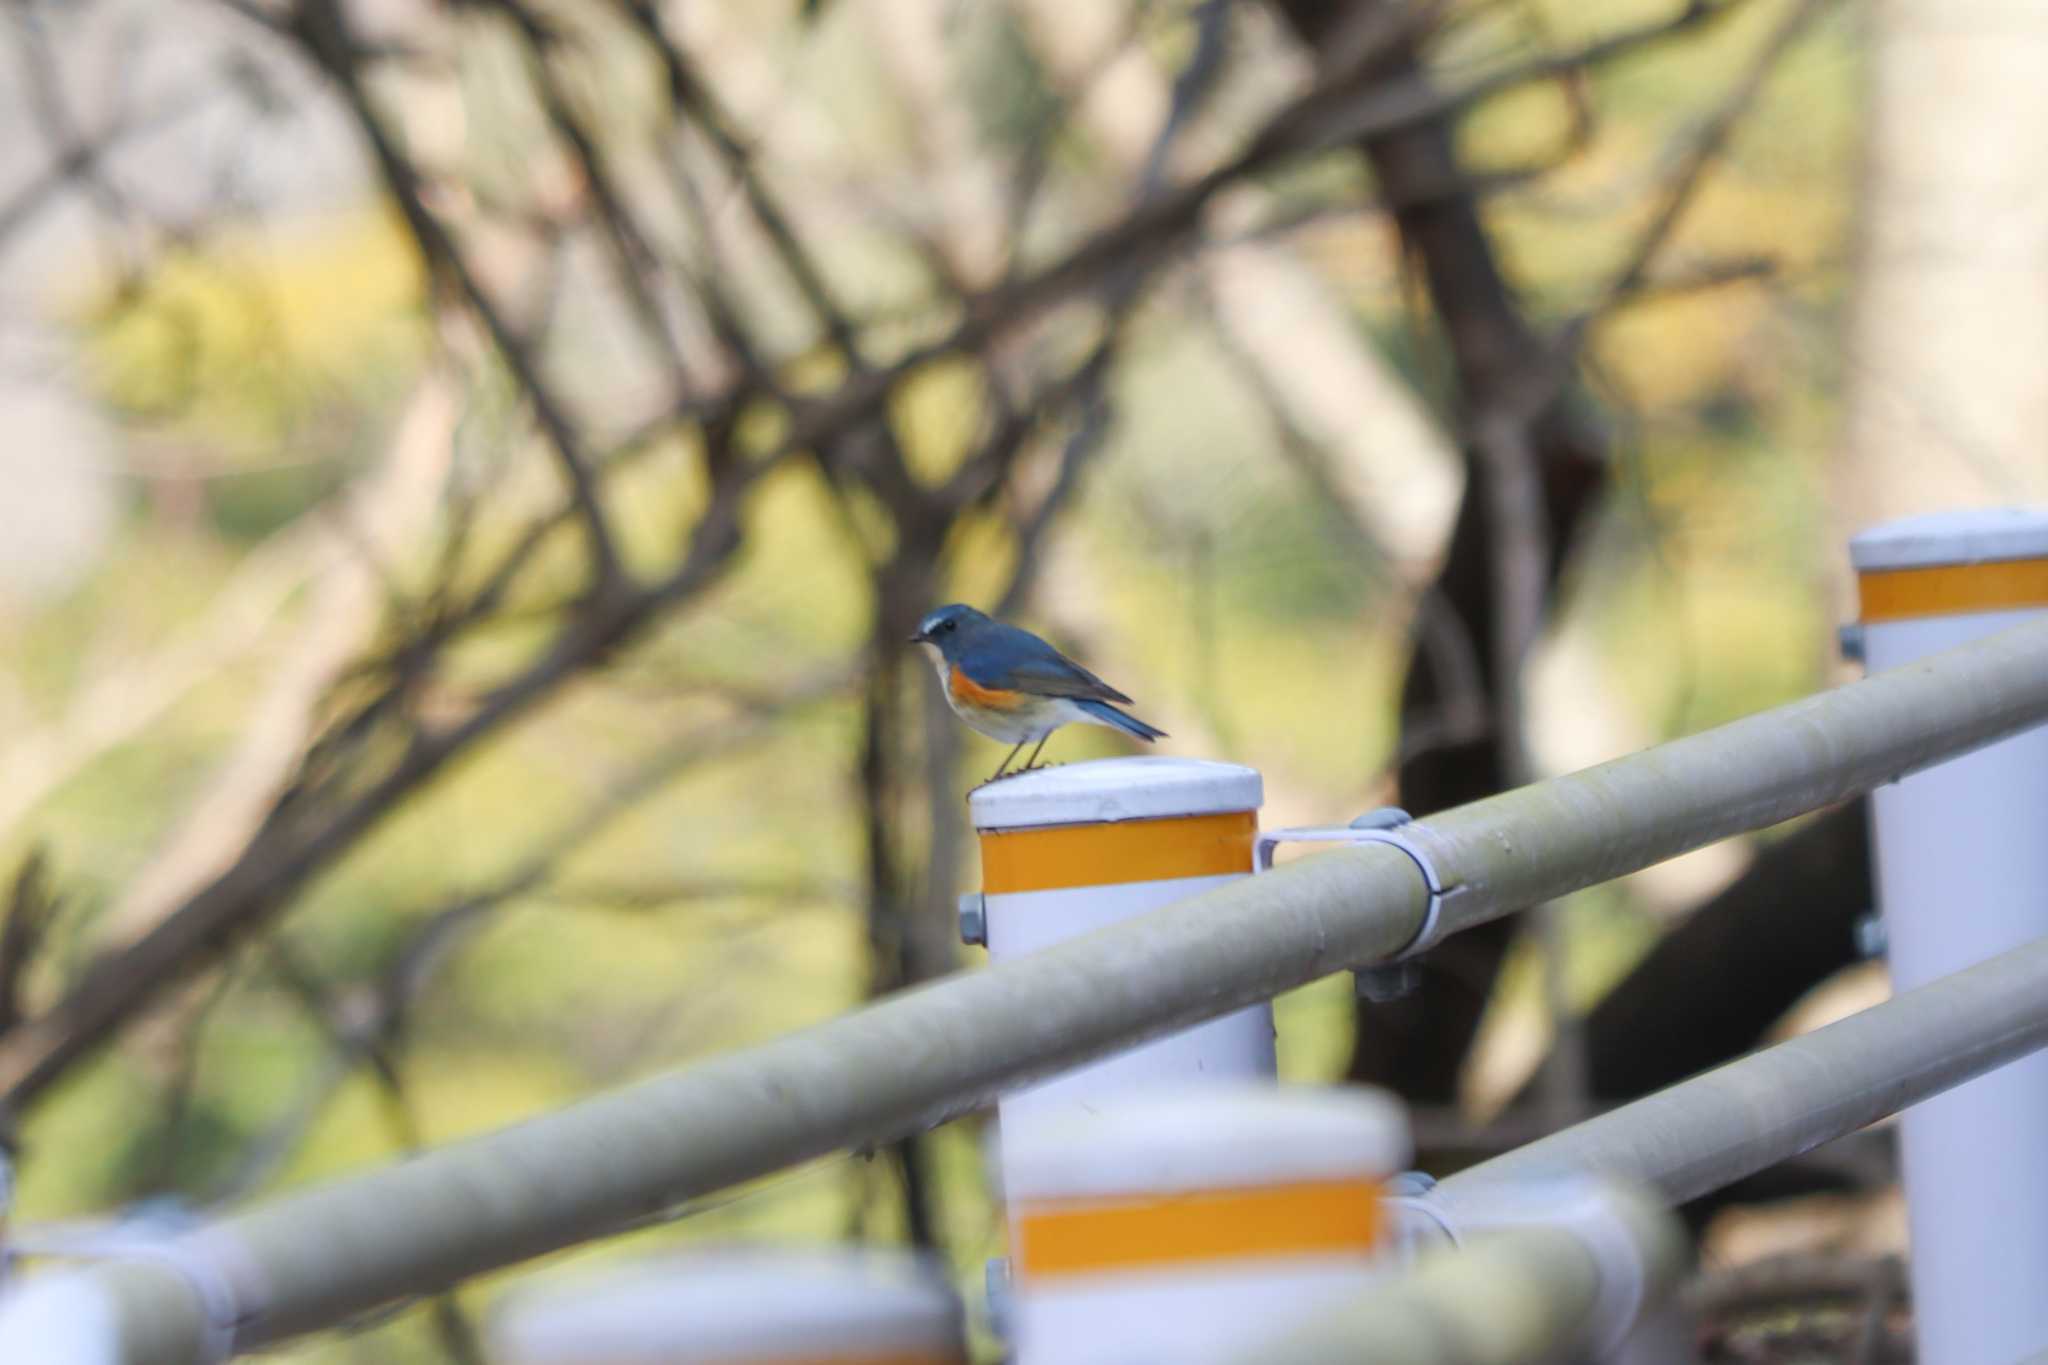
(733, 1304)
(1212, 1136)
(1110, 789)
(1972, 535)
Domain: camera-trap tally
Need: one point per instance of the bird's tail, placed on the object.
(1105, 714)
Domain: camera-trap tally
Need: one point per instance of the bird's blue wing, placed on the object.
(1018, 660)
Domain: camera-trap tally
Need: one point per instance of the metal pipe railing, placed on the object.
(314, 1258)
(1573, 1277)
(1756, 1111)
(1526, 1295)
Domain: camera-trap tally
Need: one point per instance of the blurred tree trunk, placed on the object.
(1670, 1018)
(1948, 342)
(1947, 397)
(1714, 985)
(1416, 1045)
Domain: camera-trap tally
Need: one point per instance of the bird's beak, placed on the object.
(920, 639)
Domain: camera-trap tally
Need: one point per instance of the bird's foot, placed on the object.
(1013, 772)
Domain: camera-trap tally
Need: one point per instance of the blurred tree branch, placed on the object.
(322, 29)
(378, 1042)
(32, 905)
(1536, 460)
(394, 504)
(1527, 489)
(748, 396)
(366, 1022)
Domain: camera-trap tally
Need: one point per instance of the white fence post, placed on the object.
(1188, 1225)
(827, 1305)
(1962, 874)
(1544, 1271)
(1071, 849)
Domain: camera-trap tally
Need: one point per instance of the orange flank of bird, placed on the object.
(968, 692)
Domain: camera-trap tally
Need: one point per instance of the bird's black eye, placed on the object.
(944, 626)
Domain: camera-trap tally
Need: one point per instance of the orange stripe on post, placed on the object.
(1953, 589)
(1311, 1218)
(1055, 857)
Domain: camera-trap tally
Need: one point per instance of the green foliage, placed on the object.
(1013, 96)
(1196, 568)
(251, 342)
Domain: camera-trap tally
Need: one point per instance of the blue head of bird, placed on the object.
(945, 630)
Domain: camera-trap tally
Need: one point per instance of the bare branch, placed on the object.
(1707, 144)
(324, 33)
(634, 264)
(380, 749)
(693, 95)
(316, 822)
(81, 159)
(32, 907)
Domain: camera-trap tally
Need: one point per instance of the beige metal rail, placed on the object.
(314, 1258)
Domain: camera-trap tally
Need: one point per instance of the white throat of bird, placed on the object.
(938, 658)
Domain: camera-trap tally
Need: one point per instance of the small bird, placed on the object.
(1013, 686)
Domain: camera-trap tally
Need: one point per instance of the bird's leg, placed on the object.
(1006, 762)
(1032, 761)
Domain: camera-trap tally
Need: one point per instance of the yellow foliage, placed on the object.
(255, 330)
(980, 557)
(1521, 127)
(936, 413)
(1680, 349)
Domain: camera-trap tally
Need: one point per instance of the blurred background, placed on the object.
(470, 469)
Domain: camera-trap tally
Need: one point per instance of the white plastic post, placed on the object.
(1191, 1225)
(1961, 855)
(6, 1209)
(729, 1306)
(1070, 849)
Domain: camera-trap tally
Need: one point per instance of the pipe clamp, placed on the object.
(206, 1259)
(973, 908)
(1382, 826)
(1582, 1205)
